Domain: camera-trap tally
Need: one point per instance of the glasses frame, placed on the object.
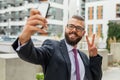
(78, 28)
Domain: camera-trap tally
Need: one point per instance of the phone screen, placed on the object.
(43, 8)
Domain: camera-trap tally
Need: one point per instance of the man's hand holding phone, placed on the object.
(30, 27)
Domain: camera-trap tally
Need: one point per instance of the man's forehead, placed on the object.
(76, 21)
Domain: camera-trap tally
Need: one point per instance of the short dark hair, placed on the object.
(78, 17)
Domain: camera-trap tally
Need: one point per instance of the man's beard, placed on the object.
(71, 42)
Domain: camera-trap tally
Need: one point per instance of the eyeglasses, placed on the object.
(78, 28)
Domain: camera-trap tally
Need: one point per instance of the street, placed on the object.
(112, 73)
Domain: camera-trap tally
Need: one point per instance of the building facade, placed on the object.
(13, 15)
(77, 7)
(98, 13)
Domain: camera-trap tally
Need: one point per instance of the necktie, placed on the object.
(76, 64)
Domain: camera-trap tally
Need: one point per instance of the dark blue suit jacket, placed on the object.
(54, 58)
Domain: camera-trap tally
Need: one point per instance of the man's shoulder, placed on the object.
(51, 41)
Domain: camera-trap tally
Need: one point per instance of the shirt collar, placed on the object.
(69, 47)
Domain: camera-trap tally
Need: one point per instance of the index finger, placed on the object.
(33, 12)
(93, 38)
(88, 42)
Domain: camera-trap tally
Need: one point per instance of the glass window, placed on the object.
(90, 30)
(99, 12)
(99, 31)
(55, 13)
(90, 13)
(2, 31)
(118, 11)
(16, 30)
(3, 5)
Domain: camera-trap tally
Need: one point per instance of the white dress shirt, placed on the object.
(81, 65)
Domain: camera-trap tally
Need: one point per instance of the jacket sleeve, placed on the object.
(36, 55)
(95, 67)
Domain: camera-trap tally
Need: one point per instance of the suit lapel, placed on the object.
(64, 52)
(83, 58)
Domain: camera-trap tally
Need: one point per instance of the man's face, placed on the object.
(74, 31)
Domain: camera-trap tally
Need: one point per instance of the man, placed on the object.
(60, 59)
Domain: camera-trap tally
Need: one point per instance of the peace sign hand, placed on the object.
(91, 47)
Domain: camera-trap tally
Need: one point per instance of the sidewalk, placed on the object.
(112, 73)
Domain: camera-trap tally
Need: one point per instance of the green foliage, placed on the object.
(40, 76)
(113, 33)
(114, 30)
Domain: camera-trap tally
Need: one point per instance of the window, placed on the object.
(118, 11)
(99, 12)
(2, 31)
(16, 29)
(55, 13)
(90, 13)
(99, 31)
(90, 30)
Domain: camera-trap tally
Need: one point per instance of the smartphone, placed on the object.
(43, 7)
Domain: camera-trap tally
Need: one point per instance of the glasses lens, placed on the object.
(78, 28)
(70, 26)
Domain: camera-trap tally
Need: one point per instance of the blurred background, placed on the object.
(102, 18)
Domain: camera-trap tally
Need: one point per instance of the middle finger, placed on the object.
(36, 22)
(37, 17)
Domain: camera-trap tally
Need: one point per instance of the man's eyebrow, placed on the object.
(77, 25)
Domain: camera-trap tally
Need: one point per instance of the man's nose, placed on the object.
(74, 29)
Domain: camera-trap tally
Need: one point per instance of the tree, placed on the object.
(113, 33)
